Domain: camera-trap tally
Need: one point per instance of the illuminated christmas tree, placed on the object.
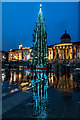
(39, 52)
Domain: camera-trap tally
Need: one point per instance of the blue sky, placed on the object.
(19, 20)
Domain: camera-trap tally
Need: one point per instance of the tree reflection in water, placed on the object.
(40, 86)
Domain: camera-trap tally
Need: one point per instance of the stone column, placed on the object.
(76, 51)
(71, 52)
(70, 49)
(68, 52)
(55, 53)
(58, 52)
(62, 52)
(65, 52)
(49, 54)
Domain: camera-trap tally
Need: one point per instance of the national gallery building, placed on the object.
(63, 51)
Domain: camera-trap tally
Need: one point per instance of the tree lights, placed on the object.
(39, 52)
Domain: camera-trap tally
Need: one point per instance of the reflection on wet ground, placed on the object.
(41, 94)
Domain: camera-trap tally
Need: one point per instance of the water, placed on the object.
(41, 94)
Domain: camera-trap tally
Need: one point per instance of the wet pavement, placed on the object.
(29, 94)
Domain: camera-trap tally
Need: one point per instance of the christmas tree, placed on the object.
(39, 51)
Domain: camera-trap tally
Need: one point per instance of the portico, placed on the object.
(65, 50)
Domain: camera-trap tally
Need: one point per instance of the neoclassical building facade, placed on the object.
(62, 51)
(21, 54)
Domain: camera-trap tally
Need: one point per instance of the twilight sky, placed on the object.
(19, 20)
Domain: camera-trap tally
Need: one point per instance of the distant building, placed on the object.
(3, 56)
(21, 54)
(64, 50)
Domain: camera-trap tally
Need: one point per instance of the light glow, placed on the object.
(28, 57)
(40, 5)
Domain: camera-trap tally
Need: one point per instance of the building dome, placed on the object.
(65, 38)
